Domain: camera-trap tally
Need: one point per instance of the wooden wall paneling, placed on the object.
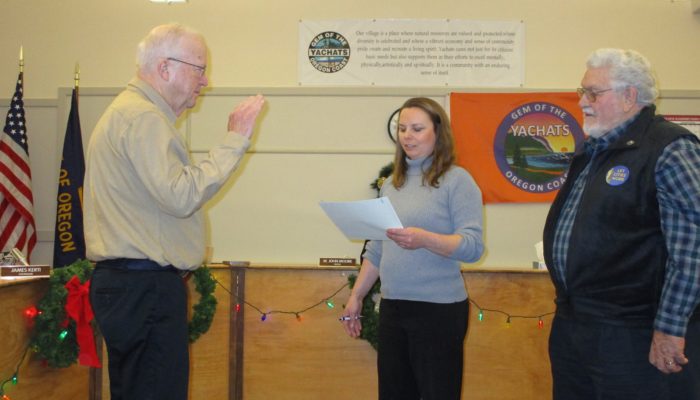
(312, 358)
(309, 359)
(35, 380)
(508, 361)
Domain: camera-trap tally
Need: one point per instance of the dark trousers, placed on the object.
(421, 348)
(142, 316)
(595, 361)
(685, 385)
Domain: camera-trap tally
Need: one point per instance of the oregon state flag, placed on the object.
(517, 146)
(69, 241)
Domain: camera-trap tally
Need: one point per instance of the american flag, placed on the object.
(17, 229)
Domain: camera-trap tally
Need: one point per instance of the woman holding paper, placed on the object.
(424, 309)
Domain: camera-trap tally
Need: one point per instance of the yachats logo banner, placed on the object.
(517, 146)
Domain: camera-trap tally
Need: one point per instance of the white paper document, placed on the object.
(363, 219)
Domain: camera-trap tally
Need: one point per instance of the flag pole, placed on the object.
(16, 200)
(69, 241)
(76, 78)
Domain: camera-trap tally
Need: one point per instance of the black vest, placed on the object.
(617, 254)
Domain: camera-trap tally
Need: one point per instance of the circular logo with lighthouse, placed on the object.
(534, 145)
(329, 52)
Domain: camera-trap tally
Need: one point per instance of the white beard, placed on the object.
(593, 130)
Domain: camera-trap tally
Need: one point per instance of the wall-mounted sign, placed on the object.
(391, 52)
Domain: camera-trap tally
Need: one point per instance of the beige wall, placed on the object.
(254, 43)
(268, 213)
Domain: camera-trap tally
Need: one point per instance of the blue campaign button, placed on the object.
(617, 175)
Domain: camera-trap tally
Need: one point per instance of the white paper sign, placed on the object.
(404, 52)
(363, 219)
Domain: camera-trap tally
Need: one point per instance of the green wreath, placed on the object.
(56, 343)
(205, 308)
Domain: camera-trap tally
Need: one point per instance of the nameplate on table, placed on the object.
(337, 262)
(24, 271)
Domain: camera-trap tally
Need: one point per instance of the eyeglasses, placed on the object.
(591, 95)
(201, 70)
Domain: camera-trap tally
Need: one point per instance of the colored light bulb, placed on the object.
(31, 312)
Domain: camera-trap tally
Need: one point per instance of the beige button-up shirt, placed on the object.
(143, 194)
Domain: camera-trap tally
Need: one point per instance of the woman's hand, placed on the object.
(412, 238)
(352, 323)
(407, 238)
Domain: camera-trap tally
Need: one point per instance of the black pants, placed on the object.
(685, 385)
(421, 349)
(142, 315)
(595, 361)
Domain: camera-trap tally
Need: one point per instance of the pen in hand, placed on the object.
(348, 318)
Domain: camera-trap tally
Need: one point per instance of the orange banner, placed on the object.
(517, 146)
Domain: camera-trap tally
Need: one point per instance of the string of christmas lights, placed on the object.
(14, 378)
(509, 317)
(328, 301)
(330, 304)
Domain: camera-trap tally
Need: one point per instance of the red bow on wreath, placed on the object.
(79, 309)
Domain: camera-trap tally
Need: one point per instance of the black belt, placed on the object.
(134, 264)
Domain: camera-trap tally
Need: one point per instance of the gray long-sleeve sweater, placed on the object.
(453, 208)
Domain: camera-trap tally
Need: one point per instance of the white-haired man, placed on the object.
(621, 243)
(143, 218)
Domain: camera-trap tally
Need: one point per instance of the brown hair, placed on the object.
(443, 153)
